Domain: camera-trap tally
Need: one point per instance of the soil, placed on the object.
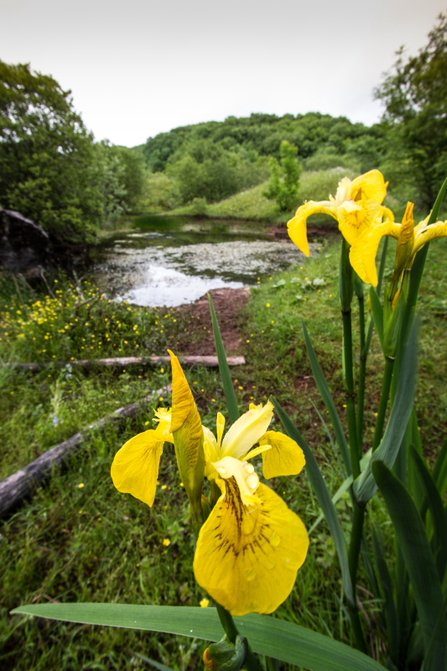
(197, 338)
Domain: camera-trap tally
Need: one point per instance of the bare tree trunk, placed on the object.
(209, 361)
(23, 482)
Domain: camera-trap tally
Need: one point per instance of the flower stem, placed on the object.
(346, 284)
(227, 623)
(251, 662)
(362, 368)
(350, 392)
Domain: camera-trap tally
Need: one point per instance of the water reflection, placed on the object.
(175, 262)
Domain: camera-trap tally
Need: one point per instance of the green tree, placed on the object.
(134, 177)
(285, 177)
(46, 155)
(415, 96)
(204, 169)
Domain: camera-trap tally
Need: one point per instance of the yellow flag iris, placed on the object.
(357, 206)
(251, 546)
(410, 239)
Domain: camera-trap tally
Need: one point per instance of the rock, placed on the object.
(24, 245)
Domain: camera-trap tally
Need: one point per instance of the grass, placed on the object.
(251, 204)
(78, 539)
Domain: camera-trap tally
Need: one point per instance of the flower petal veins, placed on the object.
(247, 556)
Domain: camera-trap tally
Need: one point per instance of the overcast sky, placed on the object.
(140, 67)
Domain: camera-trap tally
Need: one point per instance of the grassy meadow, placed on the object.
(78, 539)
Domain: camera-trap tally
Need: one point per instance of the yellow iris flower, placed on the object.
(410, 239)
(356, 207)
(251, 546)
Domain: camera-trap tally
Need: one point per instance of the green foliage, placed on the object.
(160, 193)
(285, 178)
(46, 155)
(50, 168)
(415, 96)
(77, 322)
(217, 159)
(207, 170)
(133, 177)
(261, 134)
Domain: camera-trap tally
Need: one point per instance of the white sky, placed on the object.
(140, 67)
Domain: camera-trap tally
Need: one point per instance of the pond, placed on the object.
(170, 261)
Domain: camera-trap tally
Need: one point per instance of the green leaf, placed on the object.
(417, 268)
(439, 515)
(225, 374)
(266, 635)
(324, 499)
(382, 262)
(377, 310)
(420, 564)
(328, 401)
(344, 487)
(365, 486)
(392, 623)
(438, 203)
(152, 662)
(440, 470)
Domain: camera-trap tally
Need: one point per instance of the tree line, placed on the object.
(53, 171)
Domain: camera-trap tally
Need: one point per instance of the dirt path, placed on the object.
(197, 337)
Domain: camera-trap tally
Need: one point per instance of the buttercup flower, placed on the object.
(356, 207)
(251, 546)
(410, 240)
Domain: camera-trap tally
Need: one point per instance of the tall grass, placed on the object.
(78, 539)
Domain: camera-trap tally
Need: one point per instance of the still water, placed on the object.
(167, 261)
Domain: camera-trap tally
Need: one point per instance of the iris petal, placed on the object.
(246, 431)
(364, 250)
(371, 185)
(247, 557)
(297, 226)
(135, 466)
(424, 235)
(285, 456)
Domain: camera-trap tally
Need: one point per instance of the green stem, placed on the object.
(251, 662)
(350, 393)
(362, 371)
(384, 397)
(353, 560)
(227, 622)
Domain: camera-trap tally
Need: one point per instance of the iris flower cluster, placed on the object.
(364, 221)
(250, 545)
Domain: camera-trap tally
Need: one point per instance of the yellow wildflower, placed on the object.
(251, 546)
(410, 239)
(356, 207)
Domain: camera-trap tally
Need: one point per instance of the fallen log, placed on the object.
(22, 483)
(208, 361)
